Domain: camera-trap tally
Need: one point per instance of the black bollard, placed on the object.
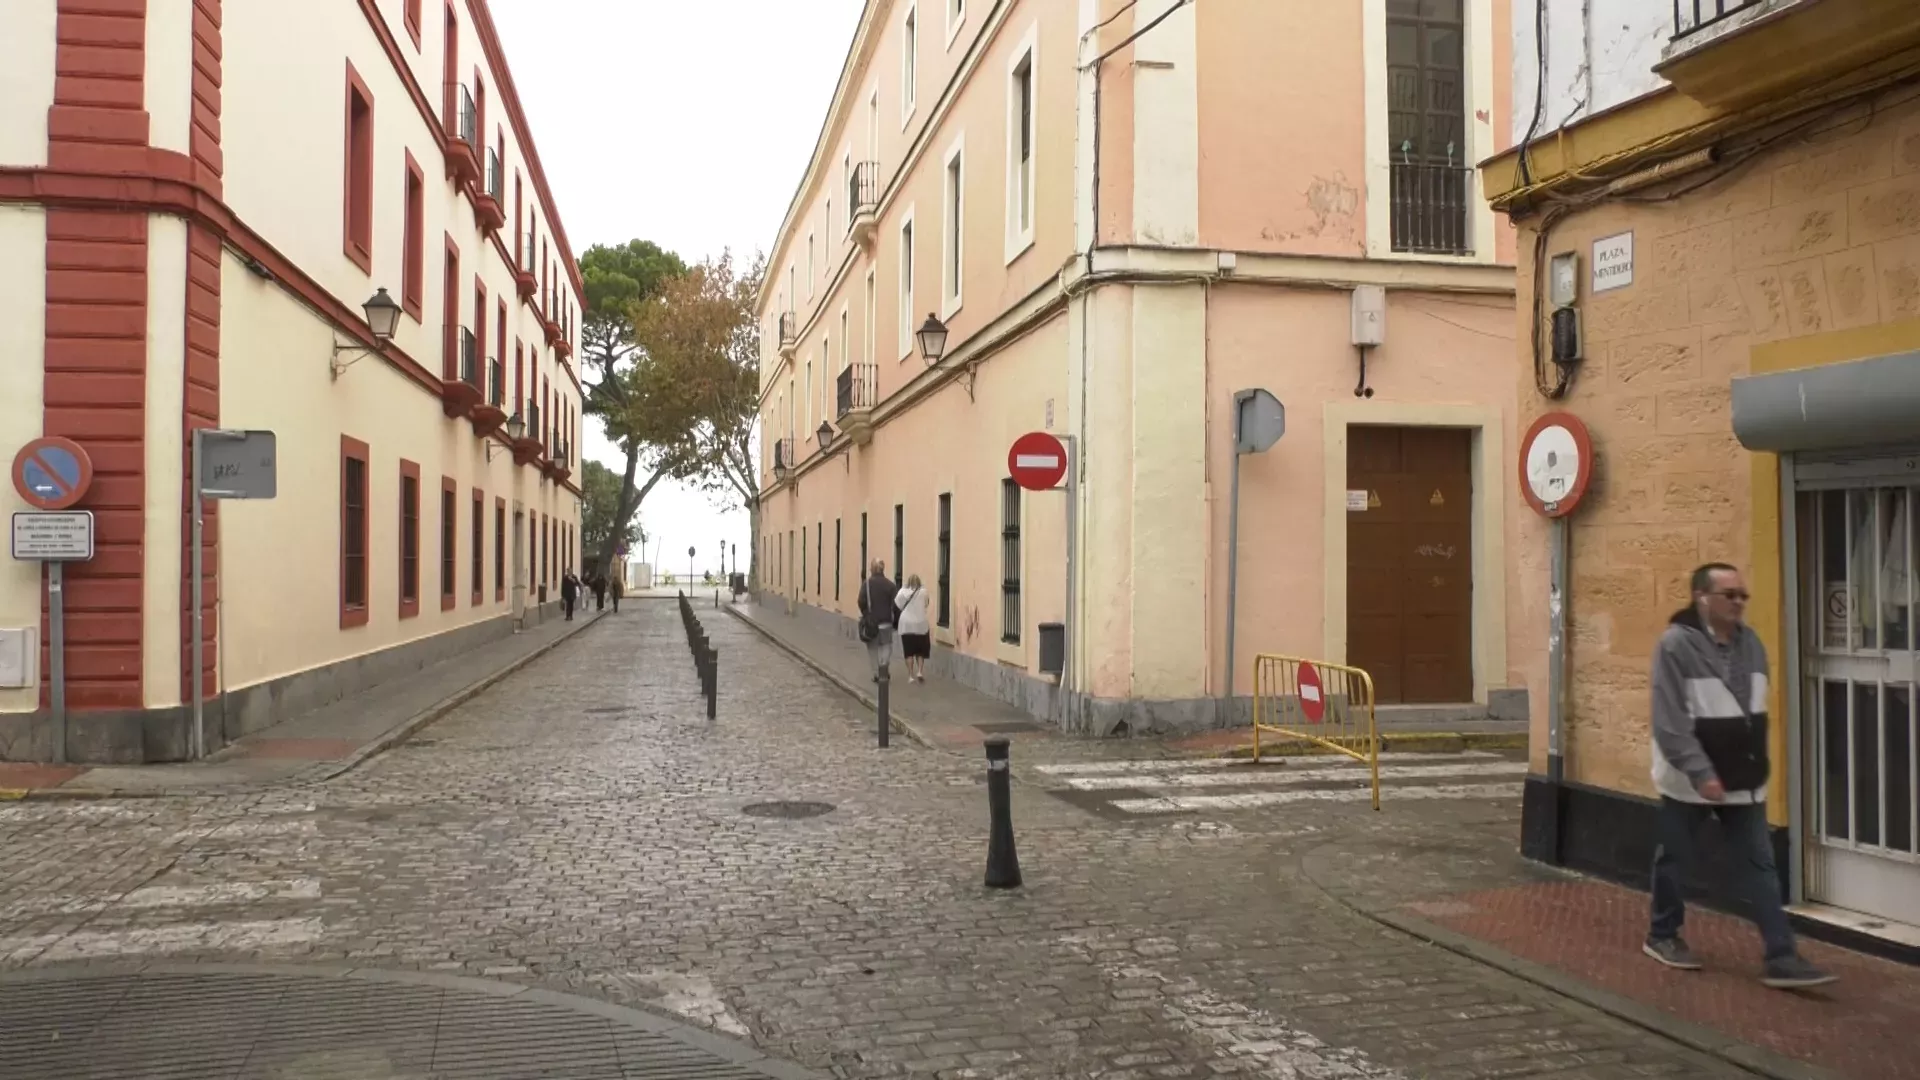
(885, 716)
(1003, 865)
(713, 683)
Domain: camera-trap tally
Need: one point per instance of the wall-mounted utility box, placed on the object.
(1369, 315)
(19, 658)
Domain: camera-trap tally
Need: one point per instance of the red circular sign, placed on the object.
(1313, 699)
(1556, 464)
(52, 473)
(1037, 461)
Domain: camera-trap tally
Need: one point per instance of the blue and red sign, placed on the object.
(52, 473)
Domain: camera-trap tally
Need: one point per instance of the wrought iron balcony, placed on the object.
(863, 201)
(783, 458)
(1432, 209)
(1696, 16)
(467, 128)
(856, 393)
(496, 383)
(488, 209)
(465, 388)
(463, 131)
(469, 358)
(789, 333)
(1738, 54)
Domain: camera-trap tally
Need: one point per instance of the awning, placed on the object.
(1840, 406)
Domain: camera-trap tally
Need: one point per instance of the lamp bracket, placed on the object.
(336, 366)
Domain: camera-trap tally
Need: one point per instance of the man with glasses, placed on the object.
(1710, 760)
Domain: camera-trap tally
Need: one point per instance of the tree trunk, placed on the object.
(753, 545)
(625, 507)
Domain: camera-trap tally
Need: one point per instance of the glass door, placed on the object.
(1858, 704)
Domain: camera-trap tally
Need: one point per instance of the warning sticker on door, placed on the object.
(1356, 501)
(1437, 499)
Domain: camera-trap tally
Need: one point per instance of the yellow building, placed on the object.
(1739, 204)
(1122, 214)
(204, 208)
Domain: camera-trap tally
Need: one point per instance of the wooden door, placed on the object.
(1410, 562)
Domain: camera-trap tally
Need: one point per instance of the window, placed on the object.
(837, 560)
(357, 189)
(1010, 562)
(953, 235)
(944, 618)
(812, 273)
(409, 539)
(806, 411)
(899, 544)
(450, 313)
(1431, 189)
(1020, 167)
(870, 316)
(477, 536)
(413, 268)
(873, 129)
(830, 234)
(865, 563)
(412, 19)
(956, 14)
(909, 64)
(843, 338)
(906, 287)
(803, 556)
(819, 558)
(354, 538)
(499, 550)
(793, 293)
(449, 510)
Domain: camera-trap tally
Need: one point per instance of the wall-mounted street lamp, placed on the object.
(516, 427)
(383, 318)
(933, 346)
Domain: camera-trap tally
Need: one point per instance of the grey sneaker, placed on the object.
(1672, 952)
(1793, 973)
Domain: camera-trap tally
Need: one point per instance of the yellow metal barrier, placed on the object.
(1332, 706)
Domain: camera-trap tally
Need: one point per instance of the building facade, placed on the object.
(199, 203)
(1737, 195)
(1122, 214)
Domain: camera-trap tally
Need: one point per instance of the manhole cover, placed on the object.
(276, 1023)
(787, 809)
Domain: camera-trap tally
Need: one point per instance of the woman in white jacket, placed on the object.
(916, 640)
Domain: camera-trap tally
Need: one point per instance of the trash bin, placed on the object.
(1053, 648)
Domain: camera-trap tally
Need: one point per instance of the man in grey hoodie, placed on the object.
(1710, 760)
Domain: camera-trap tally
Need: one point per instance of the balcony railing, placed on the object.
(862, 191)
(783, 456)
(789, 329)
(559, 455)
(469, 359)
(533, 423)
(1432, 209)
(857, 388)
(496, 183)
(528, 254)
(496, 383)
(1692, 16)
(467, 121)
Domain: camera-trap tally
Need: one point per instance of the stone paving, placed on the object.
(579, 828)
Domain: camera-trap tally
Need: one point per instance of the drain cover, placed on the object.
(787, 809)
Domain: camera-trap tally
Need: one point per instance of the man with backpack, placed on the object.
(876, 614)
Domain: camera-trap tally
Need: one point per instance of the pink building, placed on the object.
(1123, 214)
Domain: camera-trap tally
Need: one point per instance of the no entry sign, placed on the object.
(1037, 461)
(1313, 699)
(52, 473)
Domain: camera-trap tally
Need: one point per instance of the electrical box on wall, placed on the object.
(1369, 315)
(19, 658)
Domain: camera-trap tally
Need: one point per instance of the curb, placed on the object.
(1705, 1040)
(1435, 742)
(898, 723)
(321, 772)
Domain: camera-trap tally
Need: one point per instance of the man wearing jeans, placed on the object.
(1710, 760)
(876, 614)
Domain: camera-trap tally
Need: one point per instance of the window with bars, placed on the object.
(354, 540)
(819, 559)
(899, 544)
(499, 550)
(1010, 562)
(944, 613)
(864, 561)
(837, 560)
(409, 539)
(477, 557)
(449, 511)
(1431, 189)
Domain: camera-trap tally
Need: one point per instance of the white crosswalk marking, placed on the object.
(243, 937)
(1180, 786)
(1175, 803)
(1268, 775)
(1093, 768)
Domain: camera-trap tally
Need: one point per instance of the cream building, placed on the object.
(199, 204)
(1123, 213)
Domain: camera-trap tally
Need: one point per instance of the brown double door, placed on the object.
(1410, 562)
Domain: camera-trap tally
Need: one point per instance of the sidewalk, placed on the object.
(1467, 890)
(946, 715)
(314, 746)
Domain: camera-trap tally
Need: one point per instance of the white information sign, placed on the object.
(1613, 262)
(53, 535)
(1356, 501)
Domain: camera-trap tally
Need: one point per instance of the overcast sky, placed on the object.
(684, 122)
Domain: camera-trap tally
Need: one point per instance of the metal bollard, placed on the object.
(1003, 865)
(884, 714)
(713, 683)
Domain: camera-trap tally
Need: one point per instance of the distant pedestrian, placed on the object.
(569, 592)
(876, 614)
(599, 591)
(618, 587)
(1710, 760)
(916, 635)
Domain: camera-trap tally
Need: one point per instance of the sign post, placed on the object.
(226, 465)
(1258, 422)
(1038, 461)
(53, 474)
(1556, 465)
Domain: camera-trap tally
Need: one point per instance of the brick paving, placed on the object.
(579, 828)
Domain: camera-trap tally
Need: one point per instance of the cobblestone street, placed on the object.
(579, 828)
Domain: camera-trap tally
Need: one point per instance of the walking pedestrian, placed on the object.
(569, 592)
(599, 591)
(916, 634)
(876, 614)
(1710, 760)
(618, 587)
